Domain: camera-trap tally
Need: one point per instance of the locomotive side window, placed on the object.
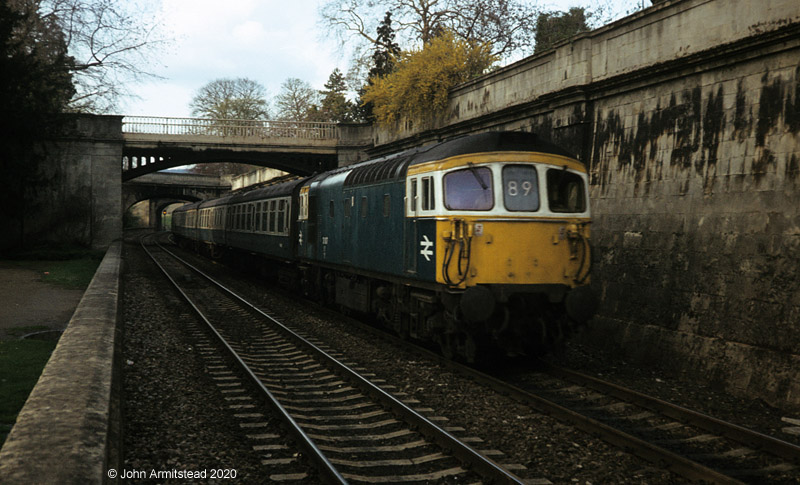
(412, 201)
(428, 202)
(565, 191)
(330, 208)
(304, 203)
(469, 189)
(346, 205)
(386, 205)
(520, 188)
(363, 207)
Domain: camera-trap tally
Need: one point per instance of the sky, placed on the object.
(267, 41)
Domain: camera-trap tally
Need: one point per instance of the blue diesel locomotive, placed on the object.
(476, 243)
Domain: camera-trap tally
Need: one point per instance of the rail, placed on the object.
(150, 125)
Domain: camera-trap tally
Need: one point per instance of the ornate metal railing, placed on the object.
(229, 128)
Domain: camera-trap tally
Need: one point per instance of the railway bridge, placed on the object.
(151, 144)
(163, 189)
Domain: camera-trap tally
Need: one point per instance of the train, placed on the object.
(479, 244)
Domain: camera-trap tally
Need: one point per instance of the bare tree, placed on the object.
(111, 43)
(296, 100)
(231, 99)
(507, 25)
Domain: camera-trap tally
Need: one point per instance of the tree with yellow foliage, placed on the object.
(418, 87)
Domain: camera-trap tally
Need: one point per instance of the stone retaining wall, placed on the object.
(68, 430)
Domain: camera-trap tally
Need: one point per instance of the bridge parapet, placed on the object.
(216, 128)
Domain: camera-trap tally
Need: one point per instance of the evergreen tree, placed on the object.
(335, 106)
(383, 58)
(552, 28)
(386, 49)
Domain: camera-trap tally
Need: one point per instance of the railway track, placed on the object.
(690, 444)
(350, 429)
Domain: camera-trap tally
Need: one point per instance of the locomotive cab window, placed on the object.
(520, 188)
(469, 189)
(565, 191)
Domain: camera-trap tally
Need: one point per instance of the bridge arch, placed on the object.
(163, 189)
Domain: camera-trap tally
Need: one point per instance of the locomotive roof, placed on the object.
(396, 165)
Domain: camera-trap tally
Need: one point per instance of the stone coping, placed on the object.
(67, 432)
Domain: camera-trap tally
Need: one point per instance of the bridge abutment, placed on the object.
(76, 196)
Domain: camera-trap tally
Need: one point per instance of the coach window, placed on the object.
(264, 214)
(272, 217)
(428, 202)
(281, 213)
(258, 216)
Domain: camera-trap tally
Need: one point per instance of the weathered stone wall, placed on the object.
(77, 196)
(688, 115)
(696, 193)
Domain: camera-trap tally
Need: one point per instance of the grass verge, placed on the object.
(21, 364)
(74, 273)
